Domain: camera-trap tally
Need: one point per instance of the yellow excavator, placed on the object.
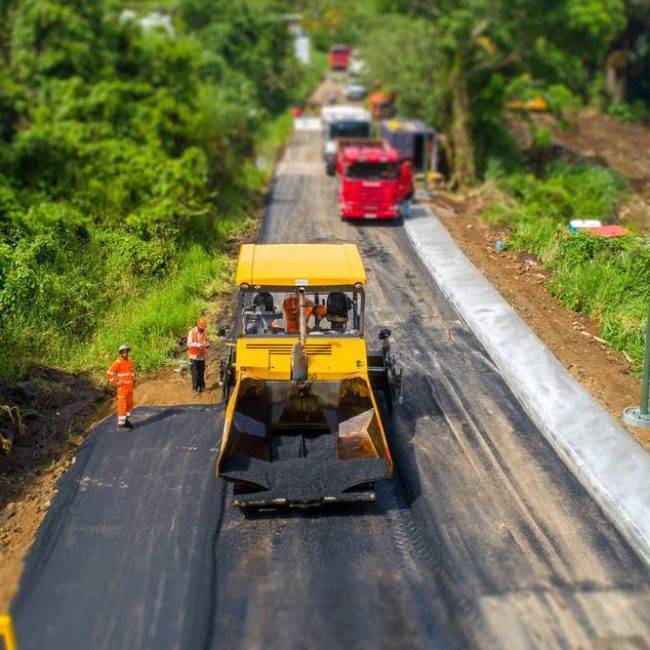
(302, 426)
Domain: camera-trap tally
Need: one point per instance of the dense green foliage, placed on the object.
(608, 279)
(457, 64)
(127, 159)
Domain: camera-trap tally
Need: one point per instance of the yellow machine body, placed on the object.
(307, 441)
(7, 634)
(293, 265)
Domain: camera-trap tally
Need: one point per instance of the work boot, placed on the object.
(128, 424)
(121, 426)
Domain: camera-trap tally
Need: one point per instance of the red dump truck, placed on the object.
(339, 57)
(373, 181)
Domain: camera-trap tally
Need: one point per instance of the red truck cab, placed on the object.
(373, 181)
(339, 57)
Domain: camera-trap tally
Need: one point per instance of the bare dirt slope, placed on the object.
(572, 337)
(607, 141)
(624, 146)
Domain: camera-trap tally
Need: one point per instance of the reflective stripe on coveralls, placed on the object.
(122, 375)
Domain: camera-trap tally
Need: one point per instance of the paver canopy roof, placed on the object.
(300, 265)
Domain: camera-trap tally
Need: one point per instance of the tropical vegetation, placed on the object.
(461, 65)
(129, 157)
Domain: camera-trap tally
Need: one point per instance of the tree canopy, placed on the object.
(456, 63)
(120, 148)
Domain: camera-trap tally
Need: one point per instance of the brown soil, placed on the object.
(55, 409)
(604, 140)
(522, 282)
(625, 147)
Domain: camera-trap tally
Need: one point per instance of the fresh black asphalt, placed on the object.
(482, 539)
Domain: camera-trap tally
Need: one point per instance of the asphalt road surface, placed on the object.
(482, 539)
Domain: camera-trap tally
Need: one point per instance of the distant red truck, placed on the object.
(339, 57)
(373, 181)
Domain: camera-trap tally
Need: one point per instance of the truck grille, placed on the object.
(372, 195)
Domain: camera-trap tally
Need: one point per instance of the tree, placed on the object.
(628, 61)
(469, 51)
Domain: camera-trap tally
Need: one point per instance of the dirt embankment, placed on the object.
(50, 412)
(624, 147)
(521, 280)
(602, 140)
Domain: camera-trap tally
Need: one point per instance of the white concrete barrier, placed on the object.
(602, 455)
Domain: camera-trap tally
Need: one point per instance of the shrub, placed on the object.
(609, 279)
(126, 164)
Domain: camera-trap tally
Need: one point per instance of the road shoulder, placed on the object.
(606, 460)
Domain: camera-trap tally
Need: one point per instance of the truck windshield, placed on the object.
(380, 171)
(349, 129)
(330, 312)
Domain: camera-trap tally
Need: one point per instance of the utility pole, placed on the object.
(425, 162)
(640, 416)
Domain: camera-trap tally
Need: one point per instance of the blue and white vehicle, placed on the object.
(341, 121)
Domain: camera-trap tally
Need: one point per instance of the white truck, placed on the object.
(341, 121)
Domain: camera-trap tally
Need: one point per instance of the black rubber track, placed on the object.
(482, 539)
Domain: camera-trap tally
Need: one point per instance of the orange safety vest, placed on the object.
(197, 342)
(121, 374)
(291, 306)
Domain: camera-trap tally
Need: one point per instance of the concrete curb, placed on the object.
(607, 461)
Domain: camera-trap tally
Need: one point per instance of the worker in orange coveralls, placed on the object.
(122, 375)
(197, 345)
(291, 307)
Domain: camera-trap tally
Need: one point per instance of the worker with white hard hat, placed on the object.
(121, 374)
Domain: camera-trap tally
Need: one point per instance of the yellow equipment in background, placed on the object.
(7, 634)
(536, 105)
(302, 426)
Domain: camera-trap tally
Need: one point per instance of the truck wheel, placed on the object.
(404, 211)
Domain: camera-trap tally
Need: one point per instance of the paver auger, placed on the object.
(302, 425)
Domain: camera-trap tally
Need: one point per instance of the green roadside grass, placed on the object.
(151, 322)
(607, 279)
(130, 165)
